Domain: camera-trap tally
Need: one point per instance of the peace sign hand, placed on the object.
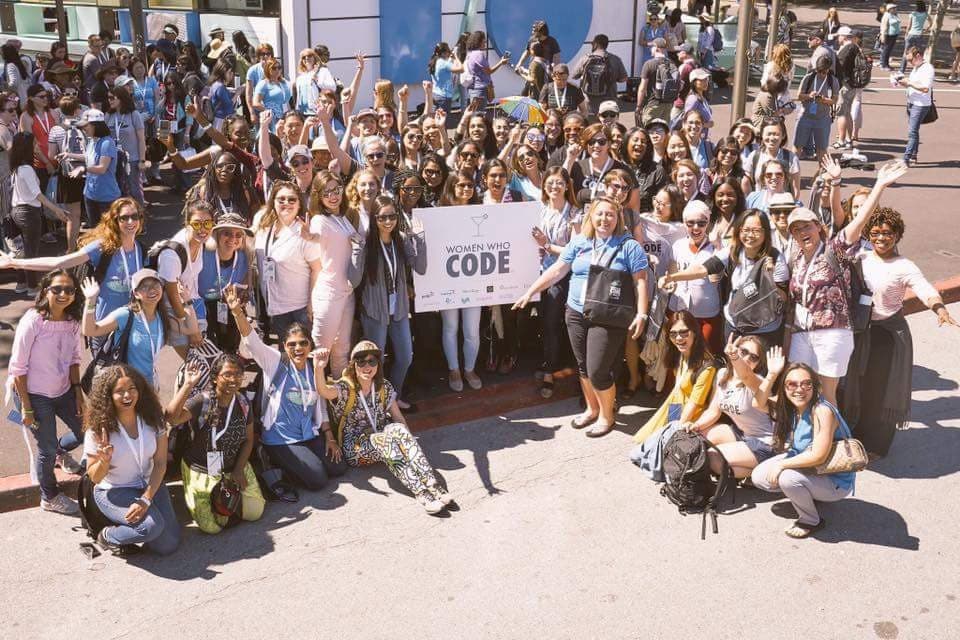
(232, 297)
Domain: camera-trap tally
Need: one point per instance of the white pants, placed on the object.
(471, 337)
(332, 325)
(801, 488)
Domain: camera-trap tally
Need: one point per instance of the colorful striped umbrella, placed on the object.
(523, 109)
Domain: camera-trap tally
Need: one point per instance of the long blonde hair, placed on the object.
(782, 58)
(351, 194)
(108, 231)
(383, 95)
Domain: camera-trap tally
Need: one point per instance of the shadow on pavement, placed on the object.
(853, 520)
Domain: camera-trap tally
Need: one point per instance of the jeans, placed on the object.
(887, 50)
(95, 210)
(439, 102)
(800, 487)
(159, 530)
(46, 411)
(471, 337)
(915, 115)
(280, 322)
(553, 305)
(29, 220)
(306, 462)
(911, 41)
(401, 340)
(135, 181)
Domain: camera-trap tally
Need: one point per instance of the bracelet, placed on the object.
(936, 308)
(27, 411)
(145, 501)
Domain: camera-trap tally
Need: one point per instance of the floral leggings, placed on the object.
(399, 450)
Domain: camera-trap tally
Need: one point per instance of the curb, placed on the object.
(18, 492)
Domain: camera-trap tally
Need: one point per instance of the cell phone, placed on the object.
(507, 54)
(163, 128)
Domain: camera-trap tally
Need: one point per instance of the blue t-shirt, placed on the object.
(141, 349)
(143, 96)
(115, 288)
(579, 253)
(443, 78)
(102, 187)
(276, 97)
(294, 422)
(208, 283)
(255, 74)
(803, 440)
(221, 100)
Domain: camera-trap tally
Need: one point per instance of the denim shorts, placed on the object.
(761, 450)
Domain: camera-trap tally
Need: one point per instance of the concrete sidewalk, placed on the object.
(559, 536)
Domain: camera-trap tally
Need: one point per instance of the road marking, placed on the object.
(903, 89)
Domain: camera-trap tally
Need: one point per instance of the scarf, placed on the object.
(896, 395)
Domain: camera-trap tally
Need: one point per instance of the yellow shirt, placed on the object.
(685, 390)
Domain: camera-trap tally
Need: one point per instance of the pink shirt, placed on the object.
(889, 279)
(336, 251)
(44, 350)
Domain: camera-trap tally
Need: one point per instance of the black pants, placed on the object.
(225, 336)
(306, 463)
(553, 306)
(597, 349)
(30, 221)
(872, 429)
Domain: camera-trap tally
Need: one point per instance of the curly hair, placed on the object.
(886, 216)
(101, 417)
(108, 230)
(782, 58)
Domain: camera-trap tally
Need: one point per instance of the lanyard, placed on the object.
(603, 172)
(344, 224)
(551, 225)
(164, 68)
(216, 435)
(279, 241)
(140, 89)
(366, 407)
(301, 386)
(154, 346)
(233, 270)
(822, 84)
(137, 451)
(225, 207)
(126, 267)
(45, 123)
(806, 276)
(596, 258)
(556, 94)
(391, 261)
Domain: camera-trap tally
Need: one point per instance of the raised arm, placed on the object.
(775, 364)
(403, 100)
(320, 358)
(90, 327)
(263, 138)
(232, 297)
(833, 172)
(354, 87)
(887, 175)
(175, 413)
(325, 116)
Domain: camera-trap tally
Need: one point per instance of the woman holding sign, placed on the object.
(600, 312)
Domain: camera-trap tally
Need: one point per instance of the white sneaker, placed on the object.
(61, 504)
(68, 464)
(430, 504)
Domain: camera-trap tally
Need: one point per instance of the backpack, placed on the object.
(91, 518)
(99, 273)
(596, 74)
(122, 170)
(153, 255)
(717, 41)
(667, 87)
(688, 483)
(757, 303)
(862, 71)
(112, 352)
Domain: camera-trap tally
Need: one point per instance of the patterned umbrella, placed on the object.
(523, 109)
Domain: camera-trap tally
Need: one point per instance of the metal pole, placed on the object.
(741, 67)
(774, 26)
(137, 24)
(61, 23)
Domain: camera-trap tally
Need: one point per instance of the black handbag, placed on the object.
(931, 115)
(610, 299)
(110, 354)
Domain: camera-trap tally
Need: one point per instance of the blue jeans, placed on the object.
(911, 41)
(401, 340)
(306, 463)
(46, 411)
(916, 113)
(280, 322)
(887, 51)
(159, 530)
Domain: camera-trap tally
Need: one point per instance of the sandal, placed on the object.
(586, 423)
(600, 430)
(546, 389)
(800, 530)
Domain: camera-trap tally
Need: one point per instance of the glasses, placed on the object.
(130, 217)
(293, 344)
(616, 186)
(463, 186)
(609, 114)
(387, 217)
(695, 223)
(748, 355)
(414, 136)
(229, 168)
(601, 142)
(432, 173)
(793, 385)
(756, 233)
(469, 155)
(150, 285)
(535, 137)
(882, 234)
(774, 174)
(236, 235)
(58, 290)
(377, 155)
(681, 333)
(555, 184)
(333, 192)
(300, 162)
(286, 199)
(779, 212)
(524, 157)
(411, 190)
(204, 225)
(366, 363)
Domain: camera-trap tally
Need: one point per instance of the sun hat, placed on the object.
(364, 347)
(231, 220)
(781, 201)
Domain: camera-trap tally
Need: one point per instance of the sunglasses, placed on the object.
(469, 155)
(131, 217)
(150, 285)
(524, 157)
(616, 186)
(293, 344)
(333, 192)
(387, 217)
(775, 174)
(433, 173)
(748, 355)
(414, 136)
(535, 137)
(60, 290)
(793, 385)
(602, 142)
(198, 225)
(367, 362)
(411, 190)
(696, 223)
(286, 199)
(682, 333)
(882, 234)
(609, 114)
(300, 162)
(236, 235)
(229, 168)
(464, 186)
(376, 155)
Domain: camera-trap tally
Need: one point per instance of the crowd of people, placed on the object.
(765, 325)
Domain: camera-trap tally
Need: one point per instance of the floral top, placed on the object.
(821, 296)
(356, 424)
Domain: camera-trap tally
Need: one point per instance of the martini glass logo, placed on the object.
(478, 220)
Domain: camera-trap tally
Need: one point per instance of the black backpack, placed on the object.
(862, 71)
(153, 255)
(689, 484)
(596, 75)
(91, 518)
(757, 303)
(667, 87)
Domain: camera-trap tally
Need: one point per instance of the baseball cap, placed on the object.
(144, 274)
(844, 31)
(686, 47)
(171, 30)
(658, 122)
(298, 150)
(214, 29)
(319, 144)
(781, 201)
(122, 81)
(699, 74)
(802, 214)
(368, 112)
(608, 105)
(91, 115)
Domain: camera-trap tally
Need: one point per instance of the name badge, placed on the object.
(674, 411)
(269, 270)
(223, 314)
(214, 463)
(392, 303)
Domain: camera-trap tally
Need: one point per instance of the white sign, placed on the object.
(477, 255)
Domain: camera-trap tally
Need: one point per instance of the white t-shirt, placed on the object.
(132, 460)
(736, 401)
(889, 279)
(701, 296)
(289, 289)
(921, 76)
(26, 187)
(168, 267)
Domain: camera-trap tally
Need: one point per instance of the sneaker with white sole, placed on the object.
(66, 462)
(430, 504)
(61, 503)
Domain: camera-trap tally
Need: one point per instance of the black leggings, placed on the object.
(597, 349)
(553, 305)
